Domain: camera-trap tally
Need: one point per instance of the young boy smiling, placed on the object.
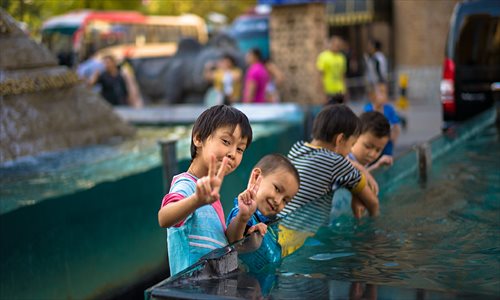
(375, 133)
(273, 183)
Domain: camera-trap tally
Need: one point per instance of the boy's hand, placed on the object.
(208, 187)
(385, 160)
(261, 227)
(246, 200)
(358, 208)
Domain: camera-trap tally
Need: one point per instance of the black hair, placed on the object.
(219, 116)
(110, 57)
(377, 45)
(376, 123)
(230, 58)
(275, 161)
(257, 53)
(335, 119)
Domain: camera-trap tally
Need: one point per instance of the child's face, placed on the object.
(224, 64)
(379, 95)
(344, 146)
(276, 190)
(223, 142)
(368, 147)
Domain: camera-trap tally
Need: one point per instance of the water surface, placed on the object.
(441, 235)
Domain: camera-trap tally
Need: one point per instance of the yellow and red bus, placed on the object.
(78, 35)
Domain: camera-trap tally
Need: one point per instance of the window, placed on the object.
(479, 41)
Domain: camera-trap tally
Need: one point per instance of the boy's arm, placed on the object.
(236, 229)
(247, 206)
(175, 212)
(372, 183)
(207, 192)
(395, 131)
(369, 200)
(384, 160)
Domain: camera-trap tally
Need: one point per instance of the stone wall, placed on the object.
(420, 28)
(298, 33)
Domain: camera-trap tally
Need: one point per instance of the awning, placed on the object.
(353, 18)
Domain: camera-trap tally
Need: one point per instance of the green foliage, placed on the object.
(200, 7)
(34, 12)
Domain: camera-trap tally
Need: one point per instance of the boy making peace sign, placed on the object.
(192, 210)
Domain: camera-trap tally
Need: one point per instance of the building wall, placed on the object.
(298, 33)
(420, 29)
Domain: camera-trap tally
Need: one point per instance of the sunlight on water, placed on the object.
(441, 236)
(28, 180)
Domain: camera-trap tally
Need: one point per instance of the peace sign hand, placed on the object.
(247, 203)
(208, 187)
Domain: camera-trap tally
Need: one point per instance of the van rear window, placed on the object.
(479, 41)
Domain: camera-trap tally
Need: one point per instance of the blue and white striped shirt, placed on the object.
(321, 172)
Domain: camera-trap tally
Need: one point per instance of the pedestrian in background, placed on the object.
(332, 65)
(379, 101)
(226, 78)
(256, 78)
(376, 64)
(276, 79)
(113, 86)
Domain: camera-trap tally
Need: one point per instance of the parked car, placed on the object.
(471, 69)
(252, 31)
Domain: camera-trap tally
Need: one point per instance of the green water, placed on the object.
(29, 180)
(442, 235)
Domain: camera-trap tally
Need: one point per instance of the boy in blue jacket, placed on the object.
(273, 183)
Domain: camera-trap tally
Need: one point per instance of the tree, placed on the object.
(34, 12)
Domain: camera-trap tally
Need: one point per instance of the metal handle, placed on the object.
(424, 159)
(169, 161)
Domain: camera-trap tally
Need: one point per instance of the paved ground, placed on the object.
(423, 123)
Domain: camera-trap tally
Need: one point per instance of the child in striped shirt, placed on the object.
(323, 168)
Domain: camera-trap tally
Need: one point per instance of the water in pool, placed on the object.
(440, 236)
(437, 240)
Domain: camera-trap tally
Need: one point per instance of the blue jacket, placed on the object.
(269, 251)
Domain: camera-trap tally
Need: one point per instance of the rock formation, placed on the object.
(45, 107)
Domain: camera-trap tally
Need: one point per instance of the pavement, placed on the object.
(423, 118)
(423, 123)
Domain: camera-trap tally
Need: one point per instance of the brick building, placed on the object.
(412, 32)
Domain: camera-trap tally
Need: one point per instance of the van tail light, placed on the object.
(448, 87)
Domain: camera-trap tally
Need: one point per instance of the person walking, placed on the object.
(376, 64)
(113, 86)
(256, 78)
(226, 78)
(332, 65)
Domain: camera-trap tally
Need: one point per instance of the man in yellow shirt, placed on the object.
(332, 65)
